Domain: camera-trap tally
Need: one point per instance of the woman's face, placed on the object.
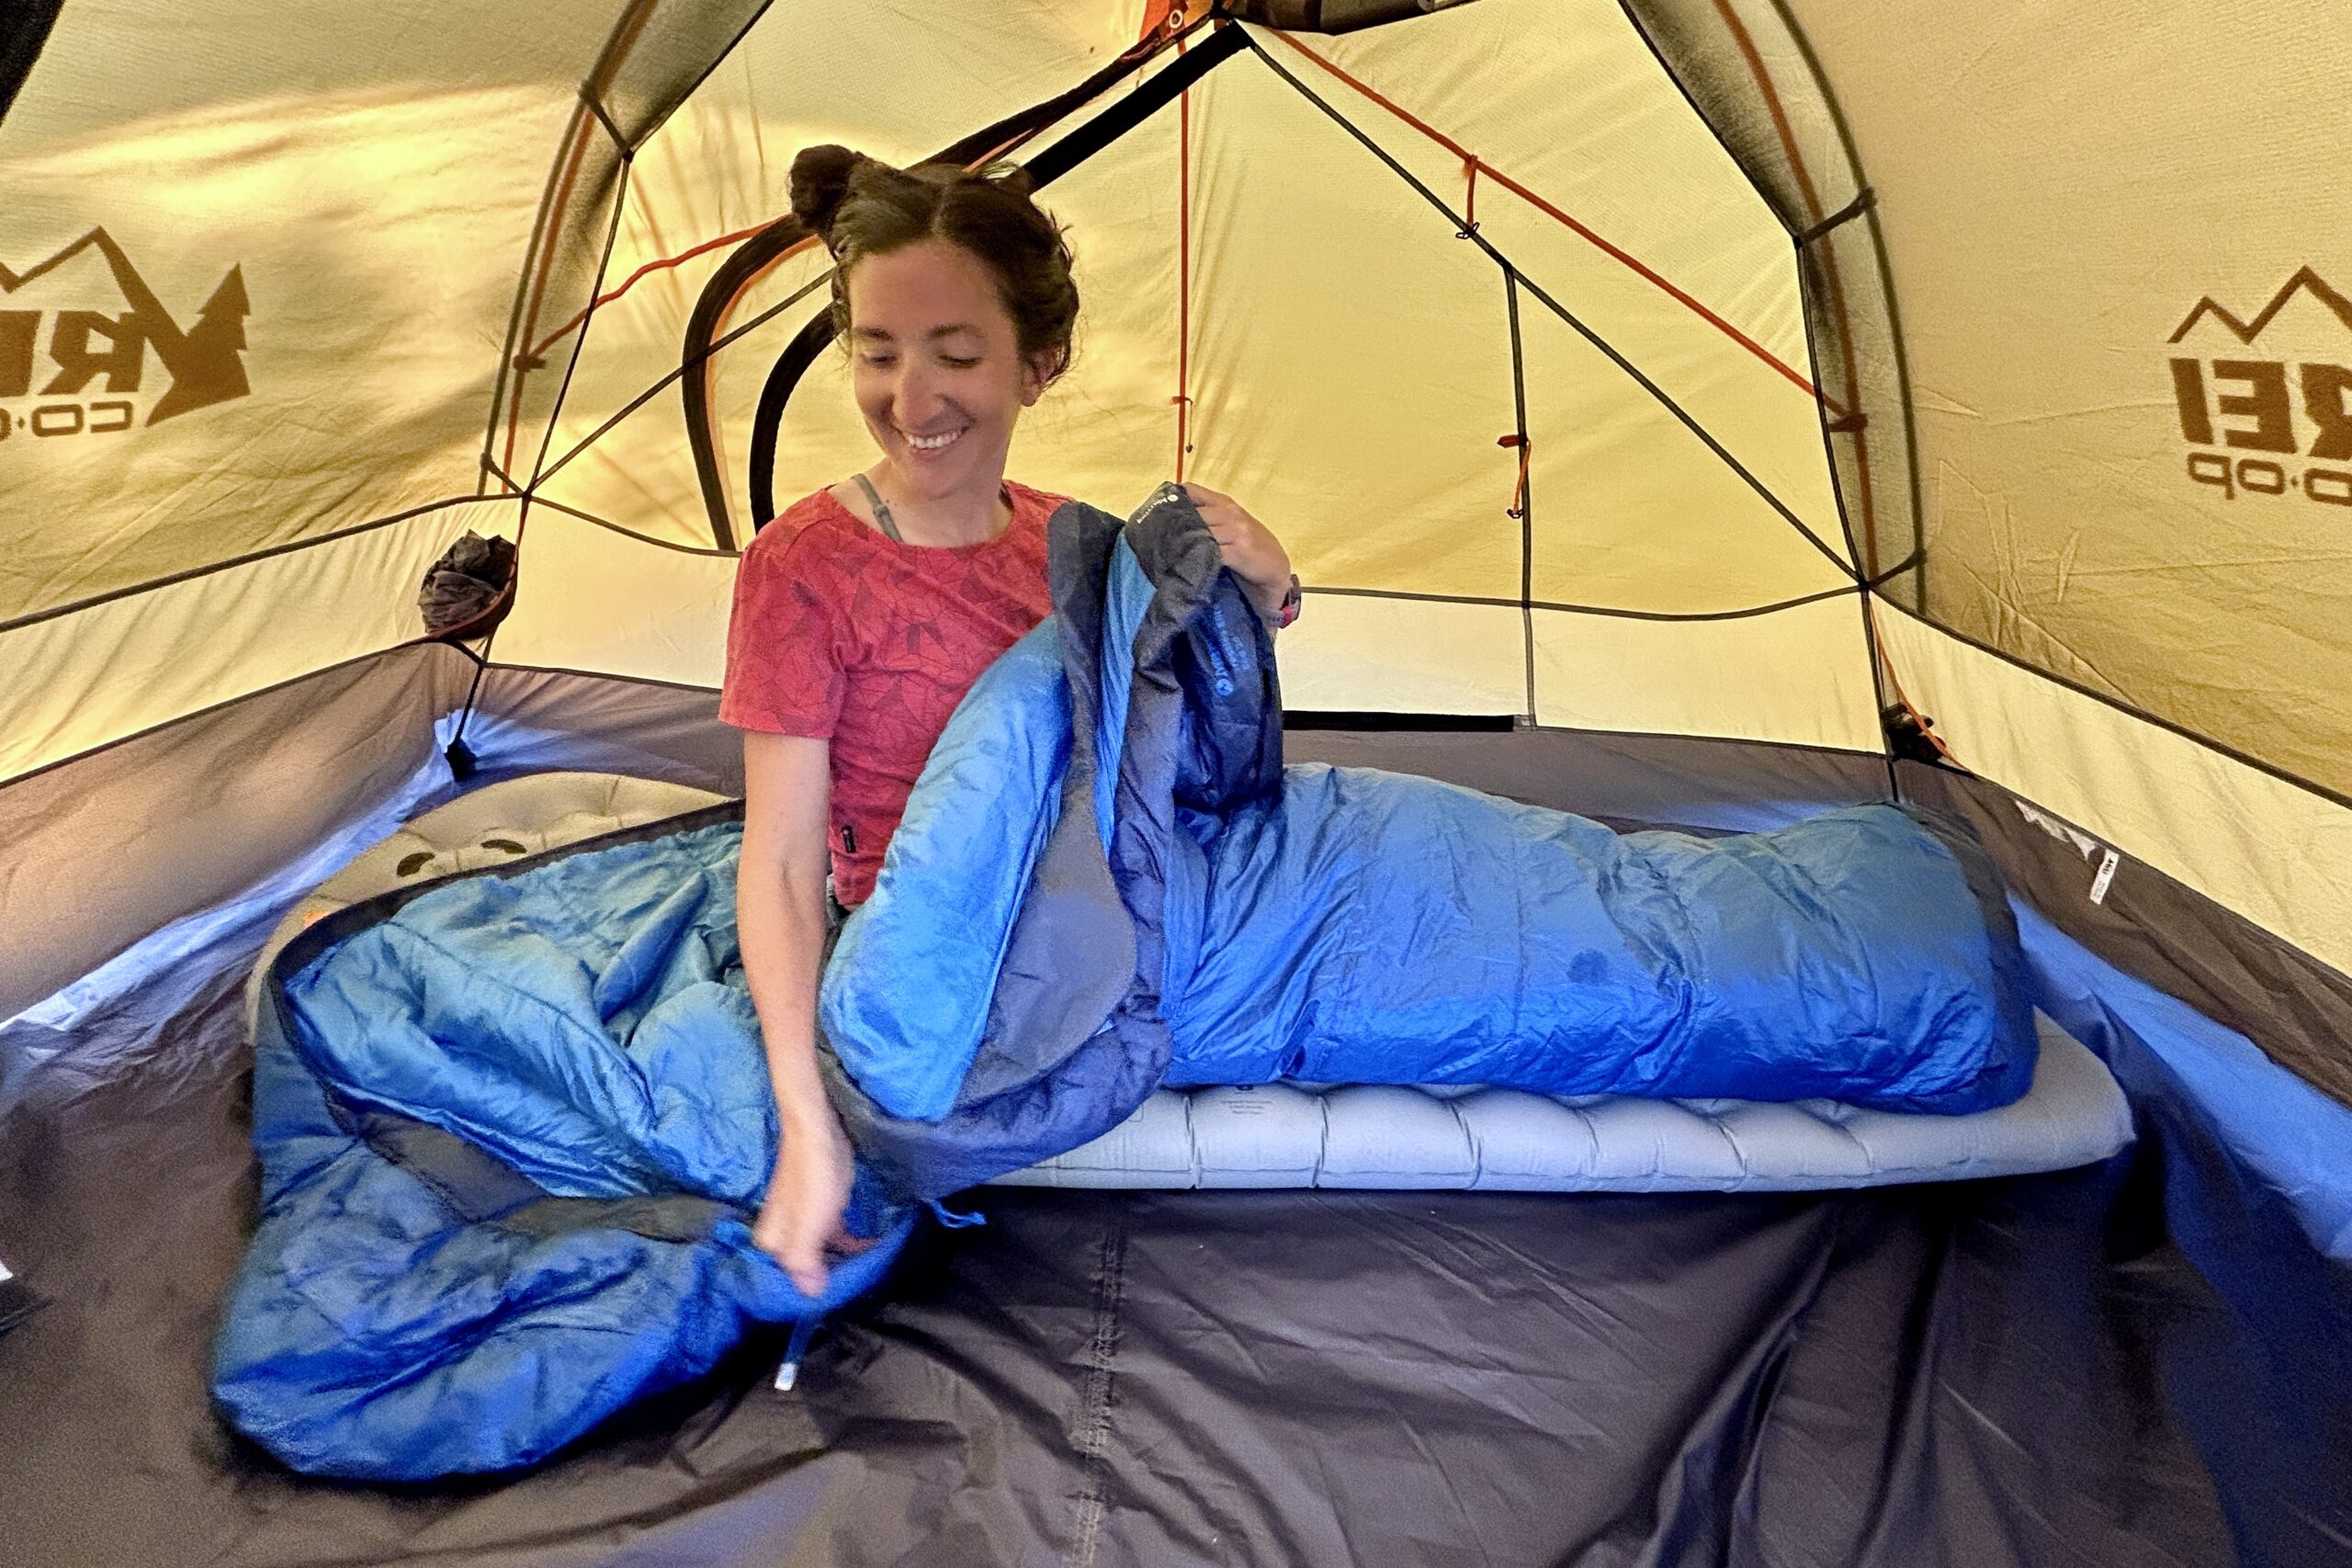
(937, 368)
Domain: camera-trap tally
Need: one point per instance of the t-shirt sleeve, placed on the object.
(784, 646)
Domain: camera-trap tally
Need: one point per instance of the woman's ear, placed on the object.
(1038, 373)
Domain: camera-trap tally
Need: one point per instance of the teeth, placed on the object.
(932, 443)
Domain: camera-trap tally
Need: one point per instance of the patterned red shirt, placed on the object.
(844, 634)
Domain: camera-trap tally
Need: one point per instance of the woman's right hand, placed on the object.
(801, 1220)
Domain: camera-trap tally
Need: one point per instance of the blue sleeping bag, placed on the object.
(514, 1126)
(1107, 881)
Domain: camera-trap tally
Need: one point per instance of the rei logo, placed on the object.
(2296, 405)
(81, 371)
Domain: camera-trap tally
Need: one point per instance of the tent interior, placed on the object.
(1559, 340)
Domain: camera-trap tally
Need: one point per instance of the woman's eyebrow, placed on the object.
(880, 335)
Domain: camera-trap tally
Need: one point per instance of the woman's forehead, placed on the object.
(925, 290)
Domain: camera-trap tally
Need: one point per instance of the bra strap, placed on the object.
(882, 518)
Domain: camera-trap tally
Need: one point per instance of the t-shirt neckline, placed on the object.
(1012, 499)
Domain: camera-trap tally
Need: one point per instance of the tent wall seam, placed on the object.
(585, 320)
(1526, 488)
(58, 611)
(1608, 612)
(610, 526)
(1706, 438)
(210, 708)
(2129, 709)
(1886, 278)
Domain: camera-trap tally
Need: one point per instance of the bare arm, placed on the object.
(781, 919)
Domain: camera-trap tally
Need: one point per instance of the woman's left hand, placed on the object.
(1250, 548)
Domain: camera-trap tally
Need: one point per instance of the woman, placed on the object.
(864, 611)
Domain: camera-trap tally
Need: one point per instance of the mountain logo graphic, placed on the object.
(2305, 281)
(204, 361)
(2275, 425)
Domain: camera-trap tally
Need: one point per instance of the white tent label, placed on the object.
(2105, 877)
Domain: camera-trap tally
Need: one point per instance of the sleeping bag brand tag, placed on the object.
(2105, 878)
(1224, 650)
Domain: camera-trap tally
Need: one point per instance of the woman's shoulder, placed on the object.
(816, 525)
(1031, 503)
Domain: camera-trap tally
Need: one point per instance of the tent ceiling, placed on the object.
(319, 227)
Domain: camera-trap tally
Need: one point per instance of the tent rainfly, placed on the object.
(1689, 411)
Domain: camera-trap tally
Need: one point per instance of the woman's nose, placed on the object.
(915, 400)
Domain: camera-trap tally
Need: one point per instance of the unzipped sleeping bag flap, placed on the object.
(1107, 881)
(514, 1127)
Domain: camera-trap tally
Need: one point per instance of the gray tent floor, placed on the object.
(2008, 1371)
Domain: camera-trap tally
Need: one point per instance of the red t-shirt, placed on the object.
(842, 634)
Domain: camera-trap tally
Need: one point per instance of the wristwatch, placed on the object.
(1287, 611)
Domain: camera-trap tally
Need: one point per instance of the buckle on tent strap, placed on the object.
(1864, 199)
(1526, 448)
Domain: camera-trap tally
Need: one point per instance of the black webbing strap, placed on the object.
(1047, 166)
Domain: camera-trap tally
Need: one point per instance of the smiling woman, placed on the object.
(865, 613)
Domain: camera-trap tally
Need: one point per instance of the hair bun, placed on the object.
(819, 180)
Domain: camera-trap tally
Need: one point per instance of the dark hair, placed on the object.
(862, 207)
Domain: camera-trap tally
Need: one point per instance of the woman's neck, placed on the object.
(964, 518)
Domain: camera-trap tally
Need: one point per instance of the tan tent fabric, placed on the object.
(1797, 676)
(2060, 198)
(342, 252)
(2274, 851)
(1342, 657)
(148, 657)
(312, 223)
(617, 605)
